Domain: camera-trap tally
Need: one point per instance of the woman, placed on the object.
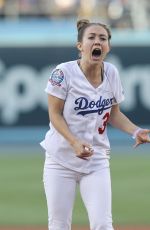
(83, 96)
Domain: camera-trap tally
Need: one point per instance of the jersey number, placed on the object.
(105, 118)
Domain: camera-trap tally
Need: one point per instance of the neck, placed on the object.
(93, 72)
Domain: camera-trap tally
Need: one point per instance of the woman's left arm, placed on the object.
(120, 121)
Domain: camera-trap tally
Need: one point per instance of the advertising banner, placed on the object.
(24, 72)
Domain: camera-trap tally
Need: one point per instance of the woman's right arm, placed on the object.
(55, 109)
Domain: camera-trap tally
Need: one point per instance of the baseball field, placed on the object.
(22, 200)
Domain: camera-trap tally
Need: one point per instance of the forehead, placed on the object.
(95, 29)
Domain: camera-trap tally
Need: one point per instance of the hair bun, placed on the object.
(81, 23)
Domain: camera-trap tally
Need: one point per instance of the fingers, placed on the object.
(141, 140)
(148, 130)
(86, 152)
(144, 131)
(83, 158)
(136, 145)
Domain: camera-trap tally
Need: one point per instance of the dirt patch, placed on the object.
(76, 228)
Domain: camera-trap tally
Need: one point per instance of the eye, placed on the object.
(103, 39)
(91, 37)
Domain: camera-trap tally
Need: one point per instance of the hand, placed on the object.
(82, 149)
(142, 137)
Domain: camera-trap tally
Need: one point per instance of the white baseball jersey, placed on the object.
(86, 111)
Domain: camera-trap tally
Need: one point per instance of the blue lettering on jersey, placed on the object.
(86, 107)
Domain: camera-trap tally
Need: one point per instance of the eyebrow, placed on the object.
(102, 35)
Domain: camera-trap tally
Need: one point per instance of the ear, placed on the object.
(79, 46)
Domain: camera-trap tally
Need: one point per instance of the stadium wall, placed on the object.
(30, 50)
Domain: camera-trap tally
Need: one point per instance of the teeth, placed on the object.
(96, 49)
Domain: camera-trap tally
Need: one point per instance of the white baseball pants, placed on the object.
(60, 188)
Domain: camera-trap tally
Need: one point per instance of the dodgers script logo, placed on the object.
(86, 107)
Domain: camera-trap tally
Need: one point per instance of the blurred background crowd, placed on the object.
(117, 13)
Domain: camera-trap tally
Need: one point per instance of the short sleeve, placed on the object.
(115, 83)
(118, 89)
(57, 85)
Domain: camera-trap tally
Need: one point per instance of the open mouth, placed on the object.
(96, 53)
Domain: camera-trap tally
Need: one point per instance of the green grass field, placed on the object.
(22, 199)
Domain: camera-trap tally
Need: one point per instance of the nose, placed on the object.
(98, 41)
